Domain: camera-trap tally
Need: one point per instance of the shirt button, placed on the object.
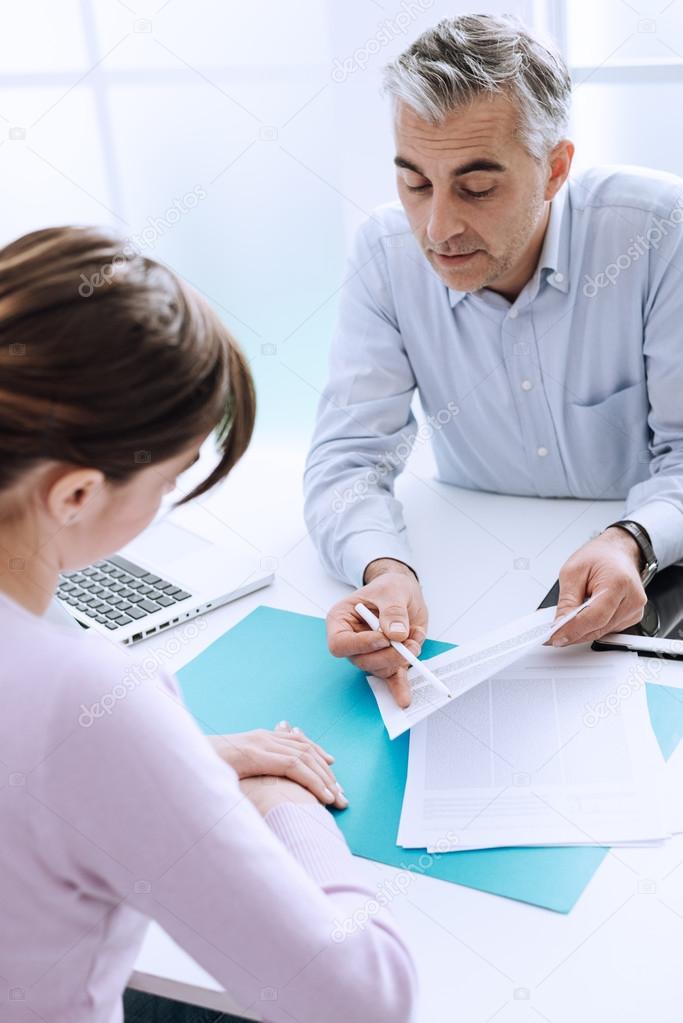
(558, 277)
(513, 314)
(527, 385)
(541, 452)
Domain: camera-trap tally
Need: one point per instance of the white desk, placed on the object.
(619, 954)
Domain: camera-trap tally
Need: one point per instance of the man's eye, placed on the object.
(480, 195)
(418, 188)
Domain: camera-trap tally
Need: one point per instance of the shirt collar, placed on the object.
(554, 254)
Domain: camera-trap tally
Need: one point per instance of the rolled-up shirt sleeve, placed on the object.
(657, 502)
(365, 427)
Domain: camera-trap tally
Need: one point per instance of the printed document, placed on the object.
(555, 749)
(466, 666)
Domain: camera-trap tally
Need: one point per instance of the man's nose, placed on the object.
(445, 219)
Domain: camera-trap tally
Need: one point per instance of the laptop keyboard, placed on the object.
(117, 592)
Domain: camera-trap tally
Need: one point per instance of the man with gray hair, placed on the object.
(538, 317)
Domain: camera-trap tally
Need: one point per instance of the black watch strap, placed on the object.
(642, 538)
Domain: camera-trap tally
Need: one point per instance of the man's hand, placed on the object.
(392, 591)
(608, 568)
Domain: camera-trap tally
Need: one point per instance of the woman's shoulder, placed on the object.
(62, 667)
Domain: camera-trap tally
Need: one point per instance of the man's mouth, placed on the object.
(458, 259)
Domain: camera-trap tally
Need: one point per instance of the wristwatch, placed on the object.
(642, 538)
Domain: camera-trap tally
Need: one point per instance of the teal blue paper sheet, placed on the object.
(275, 664)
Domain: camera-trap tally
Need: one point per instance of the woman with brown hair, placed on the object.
(139, 817)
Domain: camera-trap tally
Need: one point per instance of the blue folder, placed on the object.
(275, 664)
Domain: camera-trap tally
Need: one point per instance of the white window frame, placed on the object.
(552, 15)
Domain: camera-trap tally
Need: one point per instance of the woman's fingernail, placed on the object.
(328, 795)
(396, 627)
(282, 724)
(560, 642)
(295, 730)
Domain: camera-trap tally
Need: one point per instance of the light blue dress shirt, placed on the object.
(575, 389)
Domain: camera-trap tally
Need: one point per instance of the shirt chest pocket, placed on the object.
(606, 442)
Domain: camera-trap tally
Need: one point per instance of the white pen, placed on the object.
(373, 621)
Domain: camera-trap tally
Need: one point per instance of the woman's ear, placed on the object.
(71, 492)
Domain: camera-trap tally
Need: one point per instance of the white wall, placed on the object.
(115, 111)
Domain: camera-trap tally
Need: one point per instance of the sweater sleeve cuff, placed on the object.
(664, 524)
(362, 548)
(312, 837)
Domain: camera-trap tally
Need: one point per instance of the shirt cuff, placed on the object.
(664, 524)
(362, 548)
(314, 840)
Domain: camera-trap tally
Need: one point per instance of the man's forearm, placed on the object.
(656, 504)
(383, 565)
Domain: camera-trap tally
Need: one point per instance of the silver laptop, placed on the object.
(165, 576)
